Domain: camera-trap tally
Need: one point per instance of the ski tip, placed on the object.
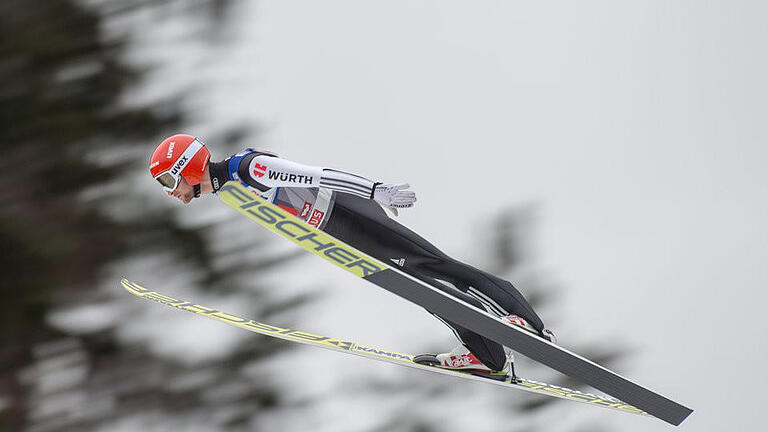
(131, 287)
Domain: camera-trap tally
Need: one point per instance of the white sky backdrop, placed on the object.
(638, 128)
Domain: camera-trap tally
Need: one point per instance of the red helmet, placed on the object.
(179, 156)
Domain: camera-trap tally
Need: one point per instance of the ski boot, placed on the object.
(461, 359)
(522, 323)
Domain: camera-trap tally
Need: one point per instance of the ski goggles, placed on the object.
(168, 181)
(171, 178)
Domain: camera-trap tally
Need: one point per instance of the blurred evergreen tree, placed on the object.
(60, 89)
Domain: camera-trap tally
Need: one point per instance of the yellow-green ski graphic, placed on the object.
(288, 226)
(390, 356)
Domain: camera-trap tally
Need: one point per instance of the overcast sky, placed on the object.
(638, 129)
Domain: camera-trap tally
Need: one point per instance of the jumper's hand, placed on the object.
(394, 196)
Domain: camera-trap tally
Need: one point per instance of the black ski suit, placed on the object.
(340, 203)
(364, 224)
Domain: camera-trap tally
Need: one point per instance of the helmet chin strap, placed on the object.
(196, 190)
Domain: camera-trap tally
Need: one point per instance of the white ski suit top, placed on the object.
(306, 191)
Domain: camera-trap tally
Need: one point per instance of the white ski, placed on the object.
(374, 353)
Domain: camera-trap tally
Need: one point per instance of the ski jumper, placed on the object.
(341, 204)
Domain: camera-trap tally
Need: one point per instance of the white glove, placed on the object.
(393, 196)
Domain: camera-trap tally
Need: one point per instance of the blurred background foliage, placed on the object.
(66, 141)
(61, 84)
